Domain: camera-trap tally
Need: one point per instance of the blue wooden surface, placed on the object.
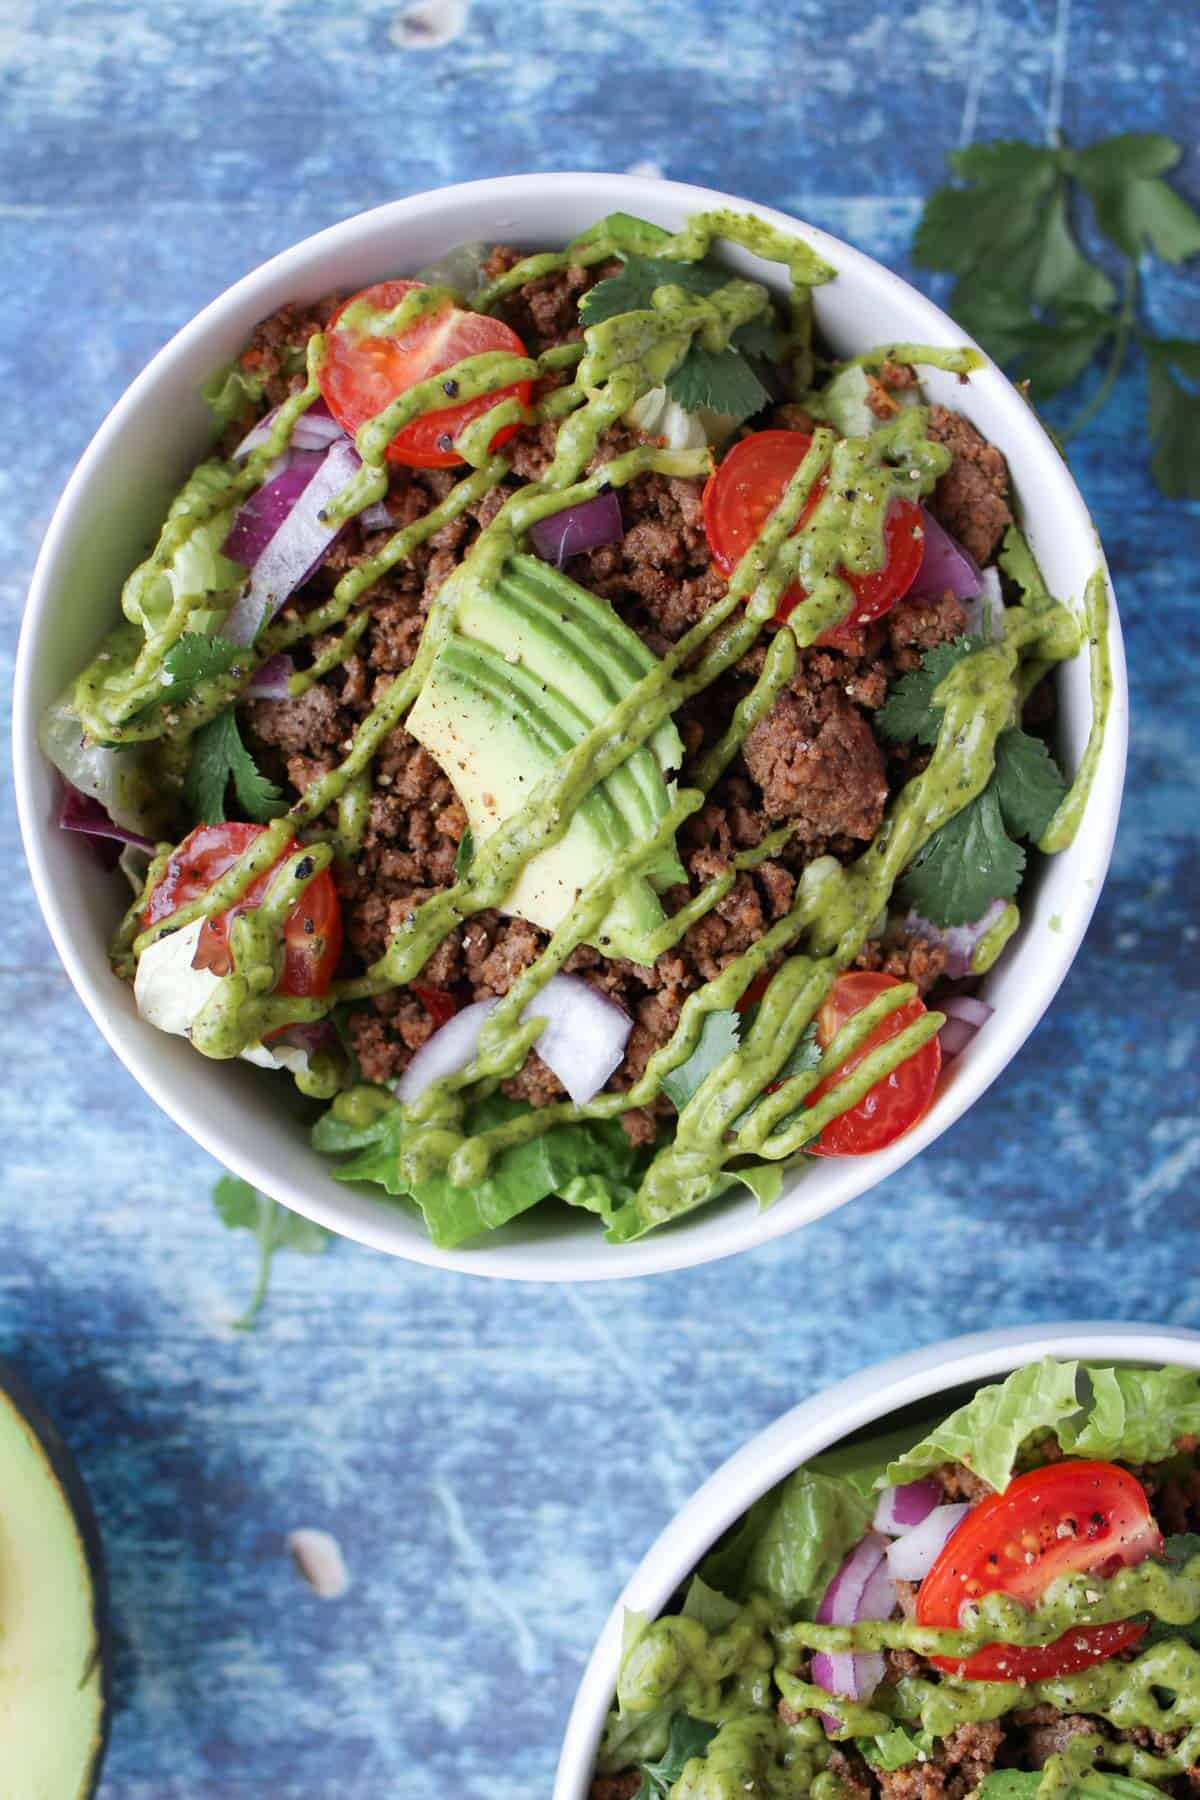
(494, 1460)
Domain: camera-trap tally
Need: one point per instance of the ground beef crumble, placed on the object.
(814, 760)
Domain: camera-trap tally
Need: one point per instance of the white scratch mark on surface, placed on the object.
(1058, 69)
(681, 1457)
(429, 25)
(977, 73)
(318, 1557)
(472, 1556)
(1161, 1181)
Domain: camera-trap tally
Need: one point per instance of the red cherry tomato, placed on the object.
(1068, 1518)
(747, 487)
(362, 375)
(894, 1104)
(312, 934)
(440, 1005)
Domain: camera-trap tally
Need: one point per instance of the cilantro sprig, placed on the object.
(726, 381)
(688, 1737)
(1044, 306)
(219, 757)
(242, 1208)
(974, 857)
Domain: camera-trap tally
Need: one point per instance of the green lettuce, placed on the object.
(791, 1543)
(588, 1163)
(1095, 1784)
(230, 393)
(1129, 1415)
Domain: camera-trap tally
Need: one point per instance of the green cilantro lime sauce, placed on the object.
(990, 945)
(678, 1664)
(834, 908)
(1065, 823)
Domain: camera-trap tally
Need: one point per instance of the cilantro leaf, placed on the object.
(1179, 1549)
(1028, 782)
(242, 1208)
(688, 1737)
(465, 854)
(720, 1035)
(631, 290)
(626, 232)
(1042, 306)
(908, 714)
(805, 1056)
(1018, 563)
(1134, 207)
(967, 863)
(218, 757)
(194, 658)
(1173, 416)
(721, 380)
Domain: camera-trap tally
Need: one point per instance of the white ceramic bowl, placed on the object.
(818, 1424)
(111, 509)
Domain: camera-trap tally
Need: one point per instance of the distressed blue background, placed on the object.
(494, 1460)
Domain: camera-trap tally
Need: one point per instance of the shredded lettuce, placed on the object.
(1095, 1784)
(1130, 1415)
(230, 392)
(588, 1163)
(791, 1543)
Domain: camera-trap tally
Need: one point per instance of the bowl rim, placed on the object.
(727, 1229)
(816, 1424)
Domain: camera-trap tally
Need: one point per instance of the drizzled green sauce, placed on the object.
(620, 359)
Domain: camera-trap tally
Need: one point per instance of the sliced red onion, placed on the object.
(911, 1557)
(582, 1041)
(900, 1508)
(449, 1049)
(964, 1015)
(583, 527)
(311, 1036)
(295, 550)
(861, 1589)
(79, 812)
(270, 682)
(960, 942)
(376, 517)
(945, 564)
(259, 517)
(315, 429)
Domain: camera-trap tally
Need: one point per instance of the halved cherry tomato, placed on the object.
(312, 934)
(362, 375)
(894, 1104)
(747, 487)
(1068, 1518)
(440, 1005)
(754, 992)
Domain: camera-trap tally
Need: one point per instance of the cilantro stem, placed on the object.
(1120, 345)
(267, 1214)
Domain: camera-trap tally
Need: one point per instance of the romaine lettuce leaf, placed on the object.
(1096, 1784)
(590, 1163)
(790, 1544)
(1129, 1415)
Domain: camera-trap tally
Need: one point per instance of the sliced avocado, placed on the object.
(845, 402)
(497, 729)
(54, 1645)
(547, 628)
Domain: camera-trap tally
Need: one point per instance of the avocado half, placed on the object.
(54, 1638)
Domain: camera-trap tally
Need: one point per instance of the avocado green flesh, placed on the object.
(497, 730)
(571, 650)
(52, 1702)
(605, 770)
